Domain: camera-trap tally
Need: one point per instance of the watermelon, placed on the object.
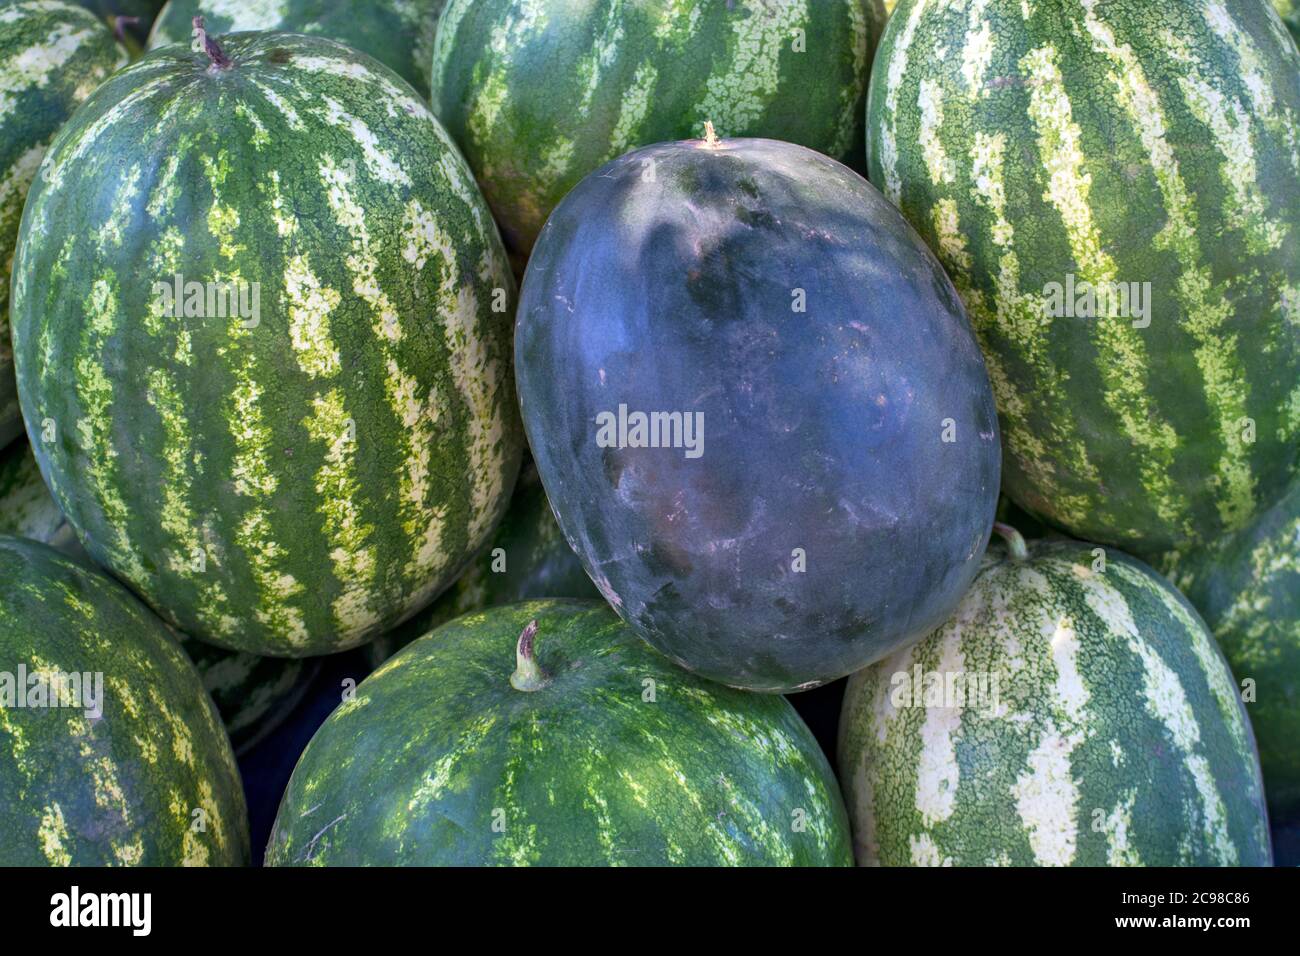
(527, 558)
(1073, 711)
(826, 488)
(128, 763)
(1112, 187)
(1290, 12)
(594, 751)
(52, 55)
(539, 93)
(295, 473)
(1247, 587)
(397, 33)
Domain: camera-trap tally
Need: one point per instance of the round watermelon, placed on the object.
(264, 310)
(539, 93)
(545, 733)
(1074, 711)
(1247, 587)
(527, 558)
(1112, 186)
(397, 33)
(55, 55)
(758, 410)
(110, 752)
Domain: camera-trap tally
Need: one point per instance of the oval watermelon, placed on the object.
(53, 54)
(397, 33)
(326, 431)
(1112, 188)
(539, 94)
(527, 558)
(1074, 711)
(144, 774)
(1247, 587)
(835, 471)
(594, 751)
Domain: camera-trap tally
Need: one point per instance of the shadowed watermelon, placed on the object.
(594, 751)
(818, 481)
(143, 777)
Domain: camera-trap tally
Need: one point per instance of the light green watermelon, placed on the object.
(1074, 711)
(397, 33)
(1247, 587)
(539, 93)
(296, 475)
(52, 55)
(564, 741)
(142, 776)
(1039, 147)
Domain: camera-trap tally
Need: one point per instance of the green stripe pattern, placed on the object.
(151, 781)
(294, 482)
(397, 33)
(52, 55)
(1247, 587)
(1074, 711)
(539, 93)
(619, 759)
(1039, 144)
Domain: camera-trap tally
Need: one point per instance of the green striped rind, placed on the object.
(297, 487)
(620, 759)
(52, 55)
(152, 781)
(539, 93)
(1118, 141)
(527, 558)
(1290, 12)
(1247, 587)
(1115, 736)
(397, 33)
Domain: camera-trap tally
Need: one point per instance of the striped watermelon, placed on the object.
(1074, 711)
(397, 33)
(596, 750)
(527, 558)
(539, 93)
(147, 777)
(297, 481)
(1247, 587)
(1036, 145)
(52, 55)
(1290, 11)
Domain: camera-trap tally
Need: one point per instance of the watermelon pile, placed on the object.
(622, 384)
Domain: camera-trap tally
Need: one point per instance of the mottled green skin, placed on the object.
(397, 33)
(437, 745)
(538, 563)
(539, 94)
(1123, 141)
(65, 53)
(1290, 13)
(121, 789)
(1116, 736)
(297, 487)
(1247, 587)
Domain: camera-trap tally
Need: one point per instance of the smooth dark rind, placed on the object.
(151, 781)
(848, 475)
(618, 758)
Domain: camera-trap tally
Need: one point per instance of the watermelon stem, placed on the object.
(710, 135)
(1015, 541)
(528, 675)
(210, 46)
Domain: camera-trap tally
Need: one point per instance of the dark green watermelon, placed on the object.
(146, 777)
(527, 558)
(594, 751)
(774, 301)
